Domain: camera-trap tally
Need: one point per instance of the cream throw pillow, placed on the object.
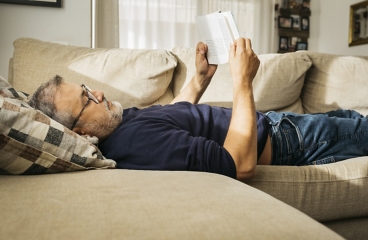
(132, 77)
(336, 82)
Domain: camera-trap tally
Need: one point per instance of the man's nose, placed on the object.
(98, 94)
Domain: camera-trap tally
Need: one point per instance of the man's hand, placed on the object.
(204, 71)
(201, 79)
(244, 63)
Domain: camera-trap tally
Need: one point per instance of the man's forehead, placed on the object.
(68, 87)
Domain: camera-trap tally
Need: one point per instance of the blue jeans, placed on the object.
(310, 139)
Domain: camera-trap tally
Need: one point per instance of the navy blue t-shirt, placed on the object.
(181, 136)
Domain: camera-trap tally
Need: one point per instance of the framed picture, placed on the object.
(284, 4)
(285, 22)
(44, 3)
(306, 4)
(357, 27)
(294, 4)
(293, 41)
(358, 23)
(283, 45)
(305, 23)
(301, 46)
(296, 21)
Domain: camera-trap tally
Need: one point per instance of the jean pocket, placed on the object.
(326, 160)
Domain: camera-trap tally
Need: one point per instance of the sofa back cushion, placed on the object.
(132, 77)
(277, 85)
(335, 82)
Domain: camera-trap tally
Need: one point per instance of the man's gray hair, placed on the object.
(43, 100)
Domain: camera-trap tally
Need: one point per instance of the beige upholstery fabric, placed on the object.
(123, 204)
(277, 85)
(133, 77)
(10, 70)
(324, 192)
(336, 82)
(353, 228)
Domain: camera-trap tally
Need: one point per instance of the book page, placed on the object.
(212, 35)
(232, 25)
(218, 31)
(225, 31)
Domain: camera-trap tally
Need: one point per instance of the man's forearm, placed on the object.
(193, 91)
(200, 81)
(241, 139)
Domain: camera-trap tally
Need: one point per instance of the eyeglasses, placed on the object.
(90, 97)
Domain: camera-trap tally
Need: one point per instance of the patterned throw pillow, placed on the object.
(33, 143)
(6, 90)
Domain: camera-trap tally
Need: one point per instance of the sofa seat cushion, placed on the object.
(129, 204)
(324, 192)
(336, 82)
(352, 228)
(132, 77)
(277, 85)
(32, 143)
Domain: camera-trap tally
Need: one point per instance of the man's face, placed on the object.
(98, 120)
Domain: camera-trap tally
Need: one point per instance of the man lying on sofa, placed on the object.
(185, 135)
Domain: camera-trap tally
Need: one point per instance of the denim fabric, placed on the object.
(311, 139)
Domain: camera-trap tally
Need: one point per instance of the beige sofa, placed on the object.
(107, 203)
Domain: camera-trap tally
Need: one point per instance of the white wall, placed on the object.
(70, 24)
(329, 28)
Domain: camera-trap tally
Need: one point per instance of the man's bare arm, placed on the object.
(241, 139)
(200, 81)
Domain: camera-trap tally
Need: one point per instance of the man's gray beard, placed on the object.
(110, 122)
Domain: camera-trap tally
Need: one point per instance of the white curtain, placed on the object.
(105, 23)
(255, 20)
(165, 24)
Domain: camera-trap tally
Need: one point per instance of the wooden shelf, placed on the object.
(293, 33)
(291, 36)
(285, 51)
(303, 12)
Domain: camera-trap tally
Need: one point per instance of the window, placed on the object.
(165, 24)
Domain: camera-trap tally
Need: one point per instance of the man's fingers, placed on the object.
(201, 48)
(243, 43)
(240, 45)
(248, 43)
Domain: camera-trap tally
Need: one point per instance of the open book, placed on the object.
(218, 31)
